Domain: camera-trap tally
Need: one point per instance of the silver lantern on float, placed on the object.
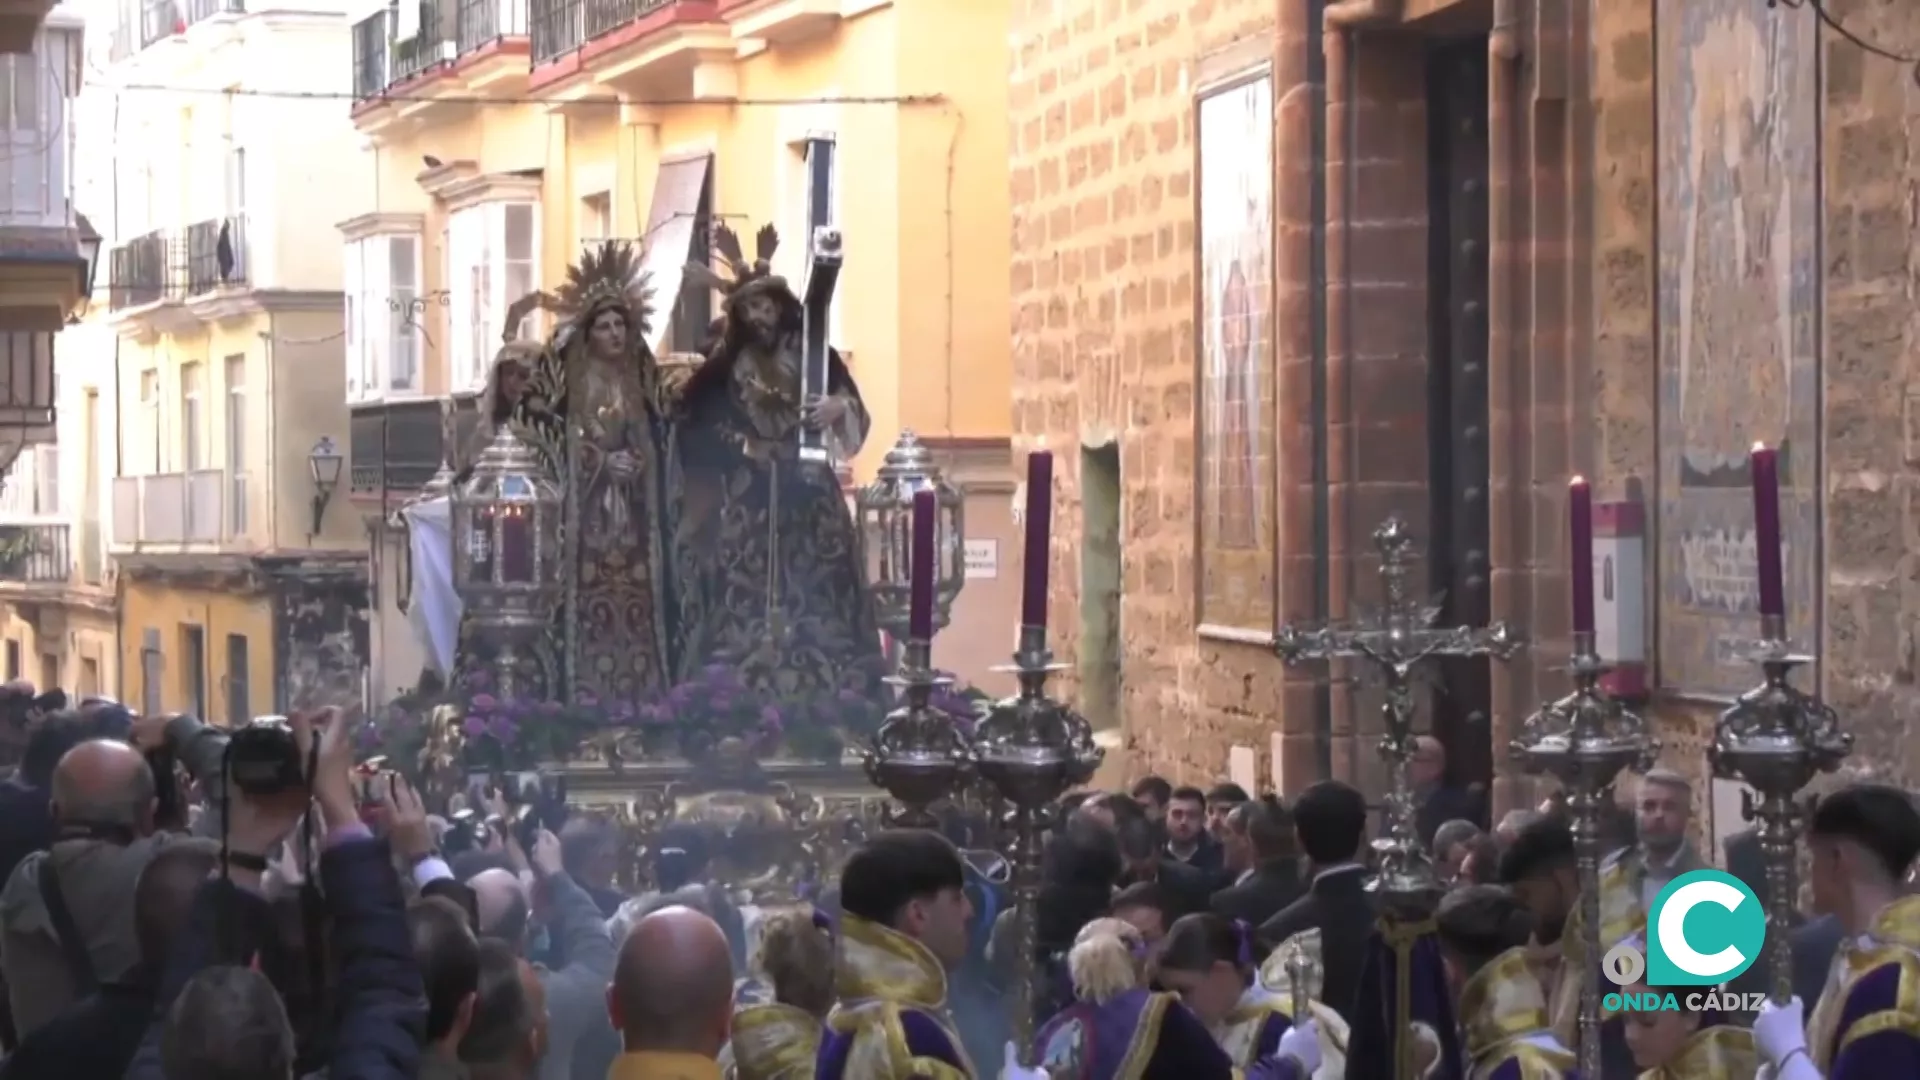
(885, 509)
(506, 551)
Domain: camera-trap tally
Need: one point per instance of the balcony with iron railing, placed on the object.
(34, 555)
(370, 55)
(169, 508)
(479, 23)
(216, 254)
(156, 20)
(141, 271)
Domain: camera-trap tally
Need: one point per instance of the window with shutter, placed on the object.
(403, 352)
(26, 144)
(520, 251)
(466, 232)
(354, 288)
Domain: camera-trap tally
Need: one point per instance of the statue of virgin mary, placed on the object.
(592, 410)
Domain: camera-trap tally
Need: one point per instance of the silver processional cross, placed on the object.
(1398, 641)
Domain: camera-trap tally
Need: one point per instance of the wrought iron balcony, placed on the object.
(479, 23)
(169, 508)
(216, 254)
(35, 554)
(395, 446)
(382, 59)
(141, 271)
(157, 20)
(561, 26)
(370, 55)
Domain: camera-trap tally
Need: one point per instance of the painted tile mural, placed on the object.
(1738, 99)
(1235, 211)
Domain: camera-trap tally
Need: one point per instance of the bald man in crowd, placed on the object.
(103, 804)
(1438, 799)
(672, 998)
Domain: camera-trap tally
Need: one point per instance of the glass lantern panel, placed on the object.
(952, 545)
(518, 487)
(515, 541)
(480, 546)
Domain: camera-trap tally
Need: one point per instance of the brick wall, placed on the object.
(1103, 249)
(1871, 131)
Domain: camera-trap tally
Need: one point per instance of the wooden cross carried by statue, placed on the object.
(823, 273)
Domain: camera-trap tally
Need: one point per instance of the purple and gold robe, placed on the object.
(1868, 1021)
(1252, 1030)
(775, 1042)
(1138, 1035)
(1719, 1052)
(1504, 1023)
(891, 1022)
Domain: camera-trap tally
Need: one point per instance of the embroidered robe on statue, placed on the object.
(770, 570)
(891, 1022)
(1503, 1014)
(1867, 1024)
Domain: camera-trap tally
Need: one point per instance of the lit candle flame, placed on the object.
(1759, 446)
(1578, 481)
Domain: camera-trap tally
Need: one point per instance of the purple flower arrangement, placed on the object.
(515, 734)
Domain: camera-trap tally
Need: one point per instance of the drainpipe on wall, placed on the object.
(1317, 370)
(1503, 52)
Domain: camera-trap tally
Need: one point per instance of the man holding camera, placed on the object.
(222, 1017)
(66, 924)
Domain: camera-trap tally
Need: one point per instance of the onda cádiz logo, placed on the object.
(1705, 928)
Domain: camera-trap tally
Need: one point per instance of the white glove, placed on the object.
(1012, 1069)
(1302, 1044)
(1779, 1030)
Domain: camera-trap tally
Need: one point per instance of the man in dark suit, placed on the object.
(1439, 801)
(1259, 848)
(1186, 888)
(1330, 821)
(1187, 838)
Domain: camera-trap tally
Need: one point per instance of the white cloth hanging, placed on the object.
(436, 609)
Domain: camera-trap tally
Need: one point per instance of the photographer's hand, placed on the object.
(255, 823)
(516, 855)
(546, 855)
(332, 778)
(407, 824)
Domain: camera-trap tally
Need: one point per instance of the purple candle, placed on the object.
(1764, 463)
(1033, 597)
(516, 547)
(1580, 513)
(920, 614)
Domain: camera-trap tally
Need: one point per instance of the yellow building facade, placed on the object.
(234, 561)
(648, 121)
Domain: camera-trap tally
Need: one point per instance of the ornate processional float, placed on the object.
(648, 592)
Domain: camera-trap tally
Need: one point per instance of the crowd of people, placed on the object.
(164, 917)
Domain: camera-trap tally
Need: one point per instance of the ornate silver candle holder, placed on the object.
(1398, 643)
(917, 756)
(1583, 740)
(1776, 739)
(1032, 749)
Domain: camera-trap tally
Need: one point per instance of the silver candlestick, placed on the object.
(1776, 739)
(1398, 642)
(1584, 740)
(918, 755)
(1032, 749)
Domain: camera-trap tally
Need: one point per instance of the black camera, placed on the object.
(263, 758)
(463, 833)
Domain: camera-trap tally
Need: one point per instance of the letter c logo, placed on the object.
(1673, 928)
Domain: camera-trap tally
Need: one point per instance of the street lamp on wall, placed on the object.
(323, 466)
